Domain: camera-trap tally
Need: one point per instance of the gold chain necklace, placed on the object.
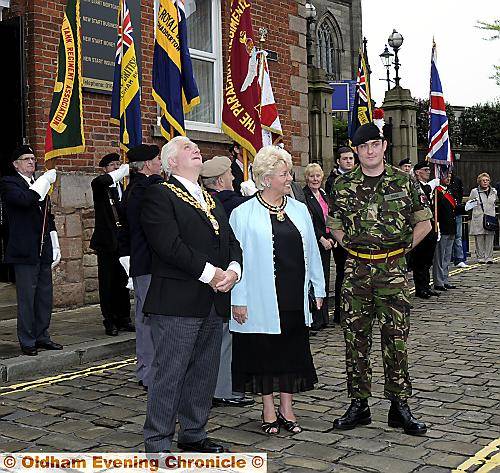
(279, 210)
(189, 199)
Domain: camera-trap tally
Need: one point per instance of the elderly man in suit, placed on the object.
(32, 248)
(196, 262)
(114, 296)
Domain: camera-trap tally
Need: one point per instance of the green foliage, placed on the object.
(479, 126)
(494, 30)
(340, 132)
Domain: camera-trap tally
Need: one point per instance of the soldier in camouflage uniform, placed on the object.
(377, 216)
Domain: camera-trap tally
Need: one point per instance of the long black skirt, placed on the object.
(263, 364)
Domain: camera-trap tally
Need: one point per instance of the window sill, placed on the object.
(197, 135)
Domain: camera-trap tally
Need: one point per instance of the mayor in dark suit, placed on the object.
(114, 297)
(135, 255)
(32, 248)
(317, 204)
(196, 262)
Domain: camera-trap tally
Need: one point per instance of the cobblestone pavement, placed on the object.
(454, 356)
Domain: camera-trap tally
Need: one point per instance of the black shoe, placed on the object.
(401, 416)
(316, 327)
(128, 327)
(143, 386)
(111, 331)
(234, 402)
(203, 446)
(433, 293)
(450, 286)
(30, 351)
(489, 262)
(50, 345)
(440, 288)
(358, 413)
(422, 295)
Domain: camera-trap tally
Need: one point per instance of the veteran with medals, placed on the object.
(377, 215)
(196, 260)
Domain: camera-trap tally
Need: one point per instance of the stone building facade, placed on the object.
(75, 279)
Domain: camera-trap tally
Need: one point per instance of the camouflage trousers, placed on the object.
(376, 291)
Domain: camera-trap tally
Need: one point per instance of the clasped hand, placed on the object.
(223, 281)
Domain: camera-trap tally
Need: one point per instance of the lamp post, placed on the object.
(310, 18)
(395, 41)
(386, 57)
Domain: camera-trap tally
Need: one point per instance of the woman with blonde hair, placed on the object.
(482, 200)
(270, 304)
(317, 203)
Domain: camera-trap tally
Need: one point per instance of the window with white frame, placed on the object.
(205, 45)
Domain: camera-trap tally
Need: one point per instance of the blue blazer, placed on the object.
(256, 290)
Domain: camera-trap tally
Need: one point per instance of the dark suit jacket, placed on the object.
(105, 236)
(446, 212)
(316, 212)
(131, 237)
(229, 199)
(238, 176)
(25, 215)
(182, 241)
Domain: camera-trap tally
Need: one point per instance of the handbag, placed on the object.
(490, 222)
(312, 299)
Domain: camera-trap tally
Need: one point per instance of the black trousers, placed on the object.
(340, 257)
(114, 297)
(34, 302)
(320, 317)
(422, 257)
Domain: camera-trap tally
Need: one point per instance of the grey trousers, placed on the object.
(484, 247)
(143, 339)
(183, 378)
(34, 302)
(442, 259)
(224, 388)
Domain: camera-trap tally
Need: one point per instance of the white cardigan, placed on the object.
(256, 290)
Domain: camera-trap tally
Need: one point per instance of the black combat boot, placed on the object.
(357, 414)
(401, 416)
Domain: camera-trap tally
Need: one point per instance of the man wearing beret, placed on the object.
(218, 179)
(32, 248)
(114, 297)
(135, 255)
(405, 165)
(377, 215)
(423, 254)
(196, 260)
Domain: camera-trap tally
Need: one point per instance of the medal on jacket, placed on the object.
(189, 199)
(279, 210)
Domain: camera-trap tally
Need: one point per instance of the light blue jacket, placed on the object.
(256, 290)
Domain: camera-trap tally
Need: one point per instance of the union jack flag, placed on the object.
(124, 32)
(362, 110)
(439, 140)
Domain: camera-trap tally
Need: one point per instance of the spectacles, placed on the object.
(28, 158)
(370, 145)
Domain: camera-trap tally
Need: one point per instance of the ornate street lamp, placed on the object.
(395, 41)
(310, 18)
(386, 57)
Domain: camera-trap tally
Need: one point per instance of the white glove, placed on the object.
(125, 262)
(471, 204)
(248, 188)
(42, 185)
(434, 183)
(56, 249)
(120, 173)
(130, 284)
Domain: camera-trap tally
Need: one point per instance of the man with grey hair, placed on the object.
(196, 260)
(135, 255)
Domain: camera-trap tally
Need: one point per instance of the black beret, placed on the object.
(421, 165)
(404, 161)
(367, 132)
(19, 151)
(142, 153)
(108, 159)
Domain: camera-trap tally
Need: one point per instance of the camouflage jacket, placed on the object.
(380, 218)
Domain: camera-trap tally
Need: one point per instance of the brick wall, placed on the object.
(76, 277)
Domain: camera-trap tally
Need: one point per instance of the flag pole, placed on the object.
(245, 164)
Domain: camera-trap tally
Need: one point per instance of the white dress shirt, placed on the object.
(209, 271)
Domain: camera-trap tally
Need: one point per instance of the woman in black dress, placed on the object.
(271, 351)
